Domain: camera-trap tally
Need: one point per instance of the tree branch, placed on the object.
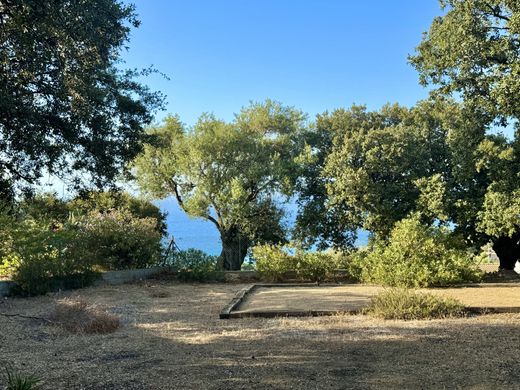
(495, 11)
(175, 189)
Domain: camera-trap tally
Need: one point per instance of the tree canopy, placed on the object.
(473, 52)
(232, 174)
(67, 107)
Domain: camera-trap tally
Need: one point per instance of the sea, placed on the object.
(200, 234)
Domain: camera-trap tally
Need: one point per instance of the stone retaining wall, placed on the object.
(129, 275)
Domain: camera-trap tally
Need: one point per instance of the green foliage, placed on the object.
(108, 201)
(18, 381)
(315, 266)
(41, 259)
(43, 250)
(473, 50)
(49, 207)
(227, 173)
(280, 263)
(273, 262)
(195, 265)
(352, 262)
(385, 164)
(74, 112)
(45, 206)
(318, 221)
(9, 260)
(249, 266)
(404, 304)
(419, 255)
(118, 240)
(500, 213)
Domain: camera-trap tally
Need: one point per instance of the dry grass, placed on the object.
(159, 294)
(77, 316)
(404, 304)
(156, 290)
(178, 342)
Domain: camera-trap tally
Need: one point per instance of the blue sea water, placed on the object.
(201, 234)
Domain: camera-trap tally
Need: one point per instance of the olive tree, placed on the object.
(231, 174)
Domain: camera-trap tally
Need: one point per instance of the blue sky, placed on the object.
(314, 55)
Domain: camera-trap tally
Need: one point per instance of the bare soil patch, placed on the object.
(178, 342)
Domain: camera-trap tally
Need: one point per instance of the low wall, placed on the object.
(241, 276)
(133, 275)
(128, 275)
(5, 287)
(109, 277)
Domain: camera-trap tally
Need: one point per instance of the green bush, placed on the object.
(108, 201)
(273, 262)
(352, 262)
(9, 260)
(44, 207)
(45, 246)
(315, 266)
(279, 263)
(41, 259)
(117, 240)
(404, 304)
(195, 265)
(417, 255)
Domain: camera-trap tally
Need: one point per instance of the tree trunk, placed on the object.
(234, 249)
(507, 250)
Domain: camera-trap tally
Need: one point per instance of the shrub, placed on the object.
(419, 256)
(17, 381)
(273, 263)
(118, 240)
(195, 265)
(108, 201)
(404, 304)
(353, 262)
(42, 259)
(77, 316)
(44, 207)
(9, 261)
(45, 246)
(249, 266)
(315, 266)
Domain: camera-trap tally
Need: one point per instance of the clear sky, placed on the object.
(315, 55)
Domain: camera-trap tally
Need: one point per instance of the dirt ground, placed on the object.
(171, 338)
(352, 297)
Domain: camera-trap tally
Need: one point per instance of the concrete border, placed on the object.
(237, 300)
